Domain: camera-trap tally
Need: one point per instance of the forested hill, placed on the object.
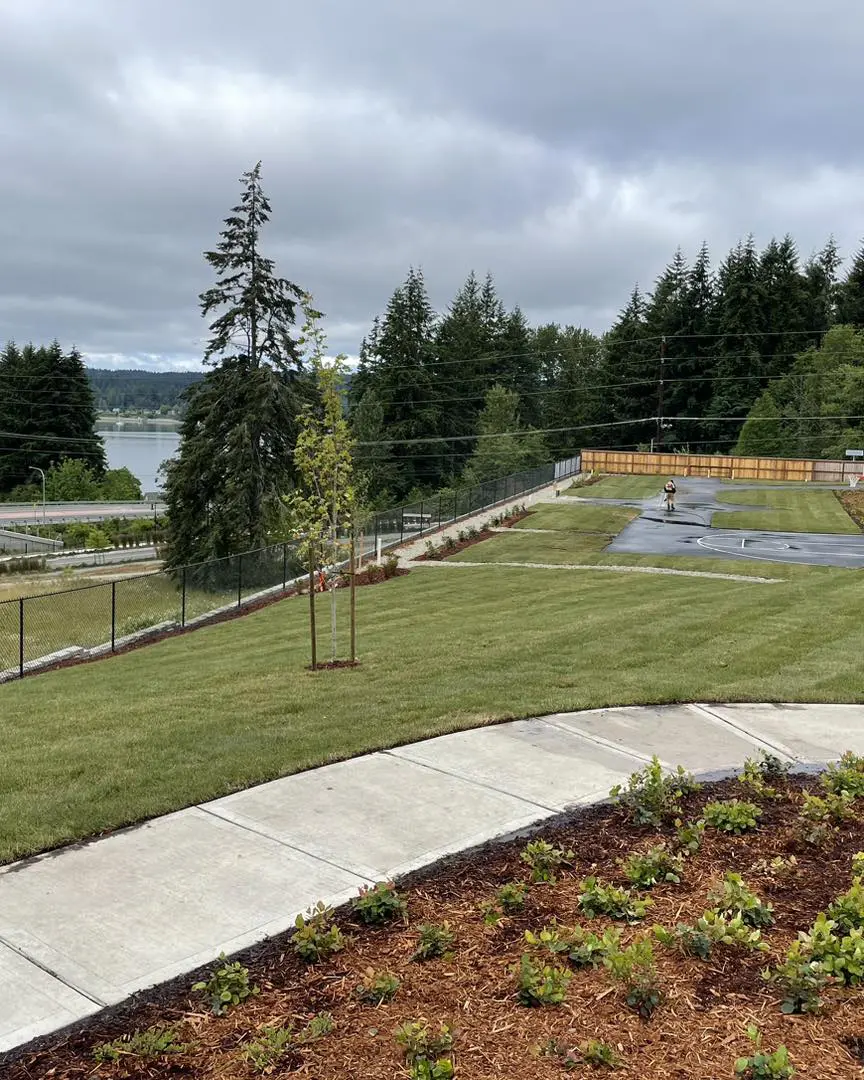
(145, 390)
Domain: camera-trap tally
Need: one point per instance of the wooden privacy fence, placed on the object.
(730, 468)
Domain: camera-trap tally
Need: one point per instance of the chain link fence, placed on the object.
(92, 620)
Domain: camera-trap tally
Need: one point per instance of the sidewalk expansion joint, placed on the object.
(53, 974)
(723, 721)
(282, 843)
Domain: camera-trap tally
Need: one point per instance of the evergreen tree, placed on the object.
(224, 490)
(47, 412)
(850, 299)
(631, 369)
(517, 366)
(574, 398)
(397, 364)
(502, 447)
(376, 471)
(762, 434)
(467, 340)
(785, 302)
(737, 368)
(822, 289)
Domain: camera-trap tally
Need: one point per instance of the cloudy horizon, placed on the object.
(568, 150)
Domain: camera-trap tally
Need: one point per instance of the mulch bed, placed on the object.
(697, 1032)
(460, 545)
(853, 504)
(372, 575)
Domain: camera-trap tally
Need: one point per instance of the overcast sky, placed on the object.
(567, 146)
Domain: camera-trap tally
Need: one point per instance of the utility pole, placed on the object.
(35, 468)
(658, 439)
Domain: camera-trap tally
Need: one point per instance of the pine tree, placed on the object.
(762, 434)
(631, 368)
(397, 364)
(502, 448)
(376, 471)
(224, 490)
(517, 366)
(850, 300)
(47, 412)
(738, 367)
(574, 398)
(821, 286)
(785, 303)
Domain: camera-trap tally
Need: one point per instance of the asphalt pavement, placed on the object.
(687, 531)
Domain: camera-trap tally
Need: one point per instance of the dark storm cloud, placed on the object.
(568, 148)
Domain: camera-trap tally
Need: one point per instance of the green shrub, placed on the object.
(689, 836)
(431, 549)
(634, 967)
(734, 897)
(732, 816)
(265, 1052)
(544, 859)
(653, 867)
(802, 980)
(599, 899)
(780, 867)
(582, 947)
(540, 985)
(418, 1042)
(509, 900)
(599, 1055)
(433, 941)
(390, 566)
(650, 797)
(847, 911)
(316, 936)
(449, 544)
(378, 904)
(858, 864)
(227, 986)
(442, 1069)
(755, 777)
(847, 774)
(377, 987)
(152, 1043)
(710, 929)
(841, 955)
(835, 808)
(762, 1066)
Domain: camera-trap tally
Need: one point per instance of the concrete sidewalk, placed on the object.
(89, 925)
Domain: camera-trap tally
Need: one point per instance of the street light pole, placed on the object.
(35, 468)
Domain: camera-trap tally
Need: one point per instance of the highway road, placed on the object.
(12, 514)
(102, 558)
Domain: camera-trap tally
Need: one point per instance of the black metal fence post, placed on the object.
(183, 596)
(113, 614)
(239, 580)
(284, 567)
(21, 638)
(422, 526)
(401, 523)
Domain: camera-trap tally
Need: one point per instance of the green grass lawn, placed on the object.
(98, 746)
(578, 517)
(620, 487)
(785, 510)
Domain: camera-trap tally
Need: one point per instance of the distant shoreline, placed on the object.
(137, 424)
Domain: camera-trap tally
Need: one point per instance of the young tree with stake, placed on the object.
(325, 499)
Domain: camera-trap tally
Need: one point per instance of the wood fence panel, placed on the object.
(719, 466)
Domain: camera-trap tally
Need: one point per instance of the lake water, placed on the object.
(141, 452)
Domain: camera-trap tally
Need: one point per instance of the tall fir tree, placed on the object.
(822, 287)
(225, 488)
(504, 446)
(397, 364)
(631, 369)
(47, 413)
(850, 298)
(574, 398)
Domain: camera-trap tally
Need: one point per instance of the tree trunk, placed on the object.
(353, 603)
(312, 628)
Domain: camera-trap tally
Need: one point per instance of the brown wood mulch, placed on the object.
(442, 552)
(853, 504)
(698, 1031)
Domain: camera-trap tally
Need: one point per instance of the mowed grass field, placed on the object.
(98, 746)
(620, 487)
(811, 510)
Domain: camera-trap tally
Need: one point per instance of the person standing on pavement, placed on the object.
(669, 490)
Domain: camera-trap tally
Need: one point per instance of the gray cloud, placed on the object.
(566, 148)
